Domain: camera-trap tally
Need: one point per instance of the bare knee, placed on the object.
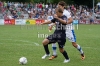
(45, 41)
(61, 50)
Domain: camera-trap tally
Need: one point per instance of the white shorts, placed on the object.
(70, 35)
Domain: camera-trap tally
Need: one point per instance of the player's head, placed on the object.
(59, 12)
(61, 4)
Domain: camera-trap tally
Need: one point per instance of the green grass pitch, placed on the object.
(26, 40)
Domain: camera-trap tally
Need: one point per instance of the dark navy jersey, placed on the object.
(60, 27)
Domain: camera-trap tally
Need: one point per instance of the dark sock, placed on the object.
(65, 55)
(46, 49)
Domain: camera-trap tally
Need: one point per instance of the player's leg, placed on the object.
(50, 39)
(78, 47)
(61, 49)
(65, 55)
(54, 47)
(45, 45)
(72, 38)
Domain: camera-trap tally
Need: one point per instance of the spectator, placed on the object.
(41, 10)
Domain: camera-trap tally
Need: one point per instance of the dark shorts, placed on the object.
(59, 38)
(91, 20)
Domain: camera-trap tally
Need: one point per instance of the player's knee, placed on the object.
(45, 42)
(61, 50)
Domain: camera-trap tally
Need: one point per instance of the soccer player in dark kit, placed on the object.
(59, 34)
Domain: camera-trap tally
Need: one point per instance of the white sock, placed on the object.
(54, 47)
(80, 49)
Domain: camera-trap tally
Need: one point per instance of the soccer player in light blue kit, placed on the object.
(69, 34)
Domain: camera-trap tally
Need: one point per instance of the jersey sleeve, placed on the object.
(67, 14)
(53, 20)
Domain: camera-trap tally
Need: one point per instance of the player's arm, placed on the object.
(70, 20)
(64, 21)
(51, 26)
(47, 22)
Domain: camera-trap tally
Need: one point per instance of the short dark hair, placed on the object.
(59, 10)
(62, 3)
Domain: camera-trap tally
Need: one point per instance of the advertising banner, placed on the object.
(20, 22)
(75, 22)
(9, 21)
(88, 22)
(1, 21)
(96, 21)
(31, 22)
(82, 22)
(38, 21)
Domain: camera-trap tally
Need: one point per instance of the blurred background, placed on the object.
(40, 9)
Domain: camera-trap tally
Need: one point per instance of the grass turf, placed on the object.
(26, 40)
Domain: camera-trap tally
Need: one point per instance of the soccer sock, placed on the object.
(46, 49)
(65, 55)
(54, 47)
(80, 49)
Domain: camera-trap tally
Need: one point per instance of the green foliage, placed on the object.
(38, 1)
(98, 0)
(78, 2)
(18, 0)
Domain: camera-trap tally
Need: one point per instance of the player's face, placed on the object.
(58, 14)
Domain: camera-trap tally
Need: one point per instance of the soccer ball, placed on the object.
(23, 60)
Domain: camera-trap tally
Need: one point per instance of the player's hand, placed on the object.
(55, 16)
(50, 27)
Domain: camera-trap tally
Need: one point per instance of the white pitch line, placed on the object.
(22, 41)
(37, 44)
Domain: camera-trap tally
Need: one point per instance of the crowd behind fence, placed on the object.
(19, 10)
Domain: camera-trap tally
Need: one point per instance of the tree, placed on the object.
(18, 0)
(78, 2)
(82, 2)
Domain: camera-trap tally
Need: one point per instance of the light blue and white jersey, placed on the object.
(68, 15)
(49, 18)
(69, 28)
